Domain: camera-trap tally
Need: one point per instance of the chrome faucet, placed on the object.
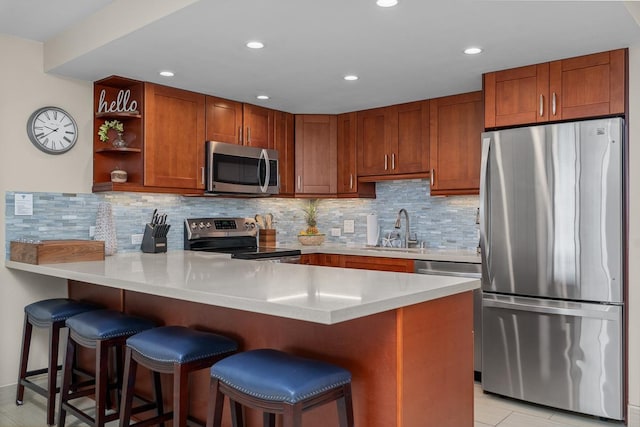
(399, 223)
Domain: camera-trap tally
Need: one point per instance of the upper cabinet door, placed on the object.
(316, 154)
(373, 135)
(258, 126)
(411, 151)
(223, 120)
(347, 177)
(588, 86)
(284, 143)
(516, 96)
(174, 129)
(456, 128)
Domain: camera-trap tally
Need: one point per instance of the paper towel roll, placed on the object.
(373, 230)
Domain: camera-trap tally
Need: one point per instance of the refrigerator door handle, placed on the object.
(484, 186)
(604, 313)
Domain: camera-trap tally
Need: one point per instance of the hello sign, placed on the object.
(120, 105)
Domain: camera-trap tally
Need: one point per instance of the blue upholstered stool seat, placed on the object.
(276, 376)
(179, 344)
(105, 324)
(54, 310)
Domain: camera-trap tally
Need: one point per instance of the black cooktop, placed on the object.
(262, 253)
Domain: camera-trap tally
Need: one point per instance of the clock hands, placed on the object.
(52, 131)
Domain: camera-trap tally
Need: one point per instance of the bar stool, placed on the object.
(104, 331)
(50, 314)
(277, 383)
(174, 350)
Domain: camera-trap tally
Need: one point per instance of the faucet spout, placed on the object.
(398, 225)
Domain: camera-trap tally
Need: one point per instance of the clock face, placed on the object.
(52, 130)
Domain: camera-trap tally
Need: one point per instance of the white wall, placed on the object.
(24, 87)
(634, 236)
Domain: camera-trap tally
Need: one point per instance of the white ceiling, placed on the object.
(410, 52)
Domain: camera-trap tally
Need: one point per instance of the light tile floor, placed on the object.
(489, 410)
(492, 410)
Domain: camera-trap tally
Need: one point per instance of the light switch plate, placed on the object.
(349, 226)
(335, 232)
(92, 231)
(136, 239)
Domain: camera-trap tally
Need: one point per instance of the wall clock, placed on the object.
(52, 130)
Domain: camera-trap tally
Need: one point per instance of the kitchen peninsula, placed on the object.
(407, 339)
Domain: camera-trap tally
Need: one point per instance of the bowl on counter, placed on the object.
(311, 239)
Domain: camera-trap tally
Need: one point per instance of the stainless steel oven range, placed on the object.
(235, 236)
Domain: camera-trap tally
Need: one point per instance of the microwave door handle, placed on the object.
(264, 157)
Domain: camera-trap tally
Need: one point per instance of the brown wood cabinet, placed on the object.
(285, 144)
(258, 126)
(393, 142)
(456, 127)
(316, 155)
(223, 120)
(348, 185)
(174, 138)
(400, 265)
(575, 88)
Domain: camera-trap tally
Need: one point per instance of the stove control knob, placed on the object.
(208, 225)
(194, 225)
(201, 225)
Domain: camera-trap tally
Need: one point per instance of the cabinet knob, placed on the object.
(351, 182)
(393, 161)
(385, 162)
(299, 182)
(432, 177)
(553, 104)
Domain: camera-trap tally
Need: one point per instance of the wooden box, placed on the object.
(57, 251)
(267, 237)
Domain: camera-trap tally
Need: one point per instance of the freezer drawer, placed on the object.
(562, 354)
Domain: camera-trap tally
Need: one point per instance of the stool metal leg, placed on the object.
(24, 358)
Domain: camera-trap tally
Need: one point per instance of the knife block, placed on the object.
(152, 243)
(267, 238)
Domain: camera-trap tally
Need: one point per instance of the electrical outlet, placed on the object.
(136, 239)
(335, 232)
(92, 231)
(349, 226)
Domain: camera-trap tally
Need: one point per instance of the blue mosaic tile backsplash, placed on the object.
(442, 222)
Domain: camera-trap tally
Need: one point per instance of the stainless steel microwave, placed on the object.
(238, 169)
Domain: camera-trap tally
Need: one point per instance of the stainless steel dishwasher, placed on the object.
(461, 269)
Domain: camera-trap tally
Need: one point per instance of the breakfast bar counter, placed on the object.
(406, 338)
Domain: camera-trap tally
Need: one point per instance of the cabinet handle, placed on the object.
(299, 182)
(541, 105)
(202, 174)
(431, 177)
(351, 182)
(393, 161)
(248, 135)
(385, 162)
(240, 134)
(553, 104)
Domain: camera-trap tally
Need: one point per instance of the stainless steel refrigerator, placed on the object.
(552, 253)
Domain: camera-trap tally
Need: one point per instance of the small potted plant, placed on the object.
(311, 236)
(117, 126)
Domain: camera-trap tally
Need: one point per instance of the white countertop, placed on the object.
(324, 295)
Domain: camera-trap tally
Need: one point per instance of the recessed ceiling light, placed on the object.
(386, 3)
(472, 50)
(263, 97)
(351, 77)
(166, 73)
(255, 45)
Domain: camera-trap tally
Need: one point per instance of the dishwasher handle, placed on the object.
(447, 273)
